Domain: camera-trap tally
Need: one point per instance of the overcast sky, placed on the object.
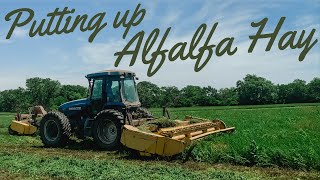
(68, 58)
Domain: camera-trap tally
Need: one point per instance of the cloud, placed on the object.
(305, 21)
(100, 53)
(5, 41)
(11, 83)
(171, 18)
(20, 33)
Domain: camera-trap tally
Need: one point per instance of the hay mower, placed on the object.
(110, 115)
(27, 124)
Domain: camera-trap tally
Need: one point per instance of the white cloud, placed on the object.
(13, 82)
(171, 18)
(100, 53)
(5, 41)
(20, 33)
(305, 21)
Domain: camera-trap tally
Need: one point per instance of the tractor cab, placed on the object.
(112, 90)
(109, 89)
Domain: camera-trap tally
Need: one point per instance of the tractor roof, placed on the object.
(110, 73)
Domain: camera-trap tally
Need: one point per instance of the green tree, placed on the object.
(42, 91)
(69, 93)
(73, 92)
(256, 90)
(169, 96)
(191, 95)
(228, 97)
(209, 96)
(15, 100)
(282, 93)
(314, 90)
(149, 94)
(297, 92)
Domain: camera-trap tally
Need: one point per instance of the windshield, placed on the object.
(129, 91)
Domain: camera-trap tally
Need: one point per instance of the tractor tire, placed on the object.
(55, 129)
(107, 129)
(144, 113)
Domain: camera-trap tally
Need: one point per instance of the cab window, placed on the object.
(113, 91)
(97, 89)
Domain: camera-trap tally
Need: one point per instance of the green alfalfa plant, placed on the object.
(298, 161)
(233, 157)
(199, 152)
(291, 159)
(256, 155)
(312, 159)
(279, 157)
(251, 154)
(187, 154)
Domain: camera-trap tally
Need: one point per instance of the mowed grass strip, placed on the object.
(18, 165)
(284, 137)
(32, 166)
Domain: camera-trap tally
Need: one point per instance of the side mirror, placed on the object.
(137, 78)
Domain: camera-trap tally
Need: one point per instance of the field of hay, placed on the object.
(270, 142)
(265, 136)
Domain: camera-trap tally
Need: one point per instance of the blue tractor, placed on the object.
(111, 103)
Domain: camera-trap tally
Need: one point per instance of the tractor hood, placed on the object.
(73, 107)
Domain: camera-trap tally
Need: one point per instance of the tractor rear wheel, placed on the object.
(107, 129)
(55, 129)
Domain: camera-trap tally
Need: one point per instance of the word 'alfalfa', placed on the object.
(201, 52)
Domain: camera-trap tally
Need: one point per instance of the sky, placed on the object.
(69, 57)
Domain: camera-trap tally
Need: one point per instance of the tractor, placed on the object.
(112, 102)
(110, 115)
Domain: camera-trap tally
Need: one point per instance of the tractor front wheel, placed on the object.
(55, 129)
(107, 129)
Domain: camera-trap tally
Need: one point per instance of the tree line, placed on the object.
(46, 92)
(252, 90)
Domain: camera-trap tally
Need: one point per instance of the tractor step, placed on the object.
(88, 127)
